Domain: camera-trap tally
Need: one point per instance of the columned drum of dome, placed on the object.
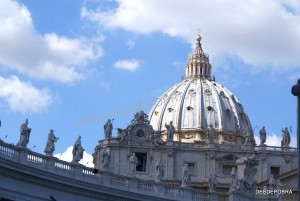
(198, 102)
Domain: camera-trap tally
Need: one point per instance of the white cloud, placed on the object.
(47, 56)
(23, 97)
(131, 65)
(258, 32)
(87, 159)
(130, 43)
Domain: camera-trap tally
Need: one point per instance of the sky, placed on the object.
(70, 65)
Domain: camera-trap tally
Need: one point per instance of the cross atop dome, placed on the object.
(198, 62)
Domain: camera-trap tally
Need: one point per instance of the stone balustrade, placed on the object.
(105, 178)
(112, 180)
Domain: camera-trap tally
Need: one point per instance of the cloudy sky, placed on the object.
(70, 65)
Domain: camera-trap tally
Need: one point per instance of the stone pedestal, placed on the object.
(247, 147)
(286, 148)
(262, 147)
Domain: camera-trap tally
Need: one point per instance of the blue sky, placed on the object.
(70, 65)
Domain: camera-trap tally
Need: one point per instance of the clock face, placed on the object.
(140, 133)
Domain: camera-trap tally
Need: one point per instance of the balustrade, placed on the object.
(119, 181)
(63, 167)
(145, 186)
(77, 171)
(8, 150)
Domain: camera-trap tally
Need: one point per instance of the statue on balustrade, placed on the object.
(286, 138)
(77, 150)
(157, 139)
(50, 146)
(170, 131)
(105, 159)
(159, 171)
(212, 181)
(24, 135)
(234, 180)
(122, 135)
(186, 176)
(108, 126)
(133, 162)
(262, 135)
(210, 134)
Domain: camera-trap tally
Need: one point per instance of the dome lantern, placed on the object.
(198, 62)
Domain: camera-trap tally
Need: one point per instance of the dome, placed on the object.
(197, 103)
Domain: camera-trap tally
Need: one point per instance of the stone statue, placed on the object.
(272, 182)
(108, 126)
(77, 150)
(140, 117)
(286, 138)
(278, 188)
(122, 135)
(50, 146)
(105, 159)
(210, 134)
(262, 135)
(250, 141)
(24, 135)
(133, 162)
(247, 165)
(159, 171)
(186, 176)
(157, 139)
(212, 181)
(170, 131)
(234, 179)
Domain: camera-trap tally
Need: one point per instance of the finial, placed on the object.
(198, 38)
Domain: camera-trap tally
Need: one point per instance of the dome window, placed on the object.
(156, 112)
(227, 111)
(170, 109)
(189, 108)
(207, 91)
(210, 108)
(192, 92)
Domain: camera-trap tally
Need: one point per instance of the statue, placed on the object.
(105, 159)
(157, 139)
(211, 134)
(122, 135)
(133, 162)
(77, 150)
(249, 138)
(212, 181)
(159, 171)
(50, 146)
(234, 179)
(24, 135)
(262, 135)
(248, 165)
(286, 138)
(108, 129)
(272, 182)
(170, 131)
(278, 188)
(140, 117)
(186, 176)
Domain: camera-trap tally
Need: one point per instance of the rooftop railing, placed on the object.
(105, 178)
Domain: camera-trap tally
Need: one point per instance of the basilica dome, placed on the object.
(198, 102)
